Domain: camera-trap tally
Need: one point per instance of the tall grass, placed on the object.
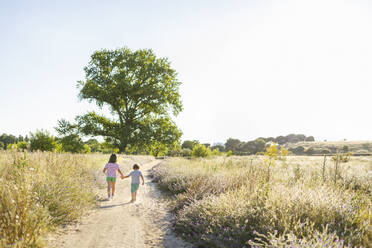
(229, 202)
(39, 191)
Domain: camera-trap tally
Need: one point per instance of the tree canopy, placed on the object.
(141, 92)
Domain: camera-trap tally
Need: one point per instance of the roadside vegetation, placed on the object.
(270, 200)
(40, 191)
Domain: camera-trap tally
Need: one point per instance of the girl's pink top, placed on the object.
(111, 169)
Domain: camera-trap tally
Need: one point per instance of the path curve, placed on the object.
(118, 223)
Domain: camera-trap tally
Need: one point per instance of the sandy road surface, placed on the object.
(118, 223)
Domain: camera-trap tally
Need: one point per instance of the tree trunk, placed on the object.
(122, 148)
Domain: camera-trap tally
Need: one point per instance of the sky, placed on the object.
(248, 68)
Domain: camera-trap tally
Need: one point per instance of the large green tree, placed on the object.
(142, 93)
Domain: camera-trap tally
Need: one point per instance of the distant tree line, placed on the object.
(72, 142)
(42, 140)
(8, 139)
(326, 150)
(259, 145)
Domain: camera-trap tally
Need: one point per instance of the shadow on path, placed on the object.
(116, 205)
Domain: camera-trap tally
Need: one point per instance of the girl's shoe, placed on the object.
(108, 198)
(112, 197)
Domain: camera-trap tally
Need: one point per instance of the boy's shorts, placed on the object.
(112, 179)
(134, 187)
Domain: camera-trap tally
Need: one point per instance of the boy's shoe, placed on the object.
(108, 198)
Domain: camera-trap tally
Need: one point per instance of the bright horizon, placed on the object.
(248, 70)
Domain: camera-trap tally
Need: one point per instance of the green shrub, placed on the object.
(72, 143)
(175, 152)
(342, 157)
(94, 145)
(22, 146)
(185, 152)
(229, 153)
(42, 140)
(158, 149)
(86, 149)
(216, 152)
(110, 148)
(200, 150)
(13, 147)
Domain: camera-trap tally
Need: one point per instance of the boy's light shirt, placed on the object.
(135, 175)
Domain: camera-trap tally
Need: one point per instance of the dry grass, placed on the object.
(39, 191)
(229, 202)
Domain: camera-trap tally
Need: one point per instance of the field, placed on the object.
(221, 201)
(252, 202)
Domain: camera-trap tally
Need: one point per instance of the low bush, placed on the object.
(230, 219)
(315, 239)
(200, 151)
(344, 158)
(185, 152)
(42, 140)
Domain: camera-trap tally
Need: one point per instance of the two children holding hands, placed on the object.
(112, 167)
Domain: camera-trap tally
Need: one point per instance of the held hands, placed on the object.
(122, 176)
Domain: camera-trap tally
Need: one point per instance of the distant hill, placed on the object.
(330, 147)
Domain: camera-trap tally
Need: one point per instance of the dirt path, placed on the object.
(118, 223)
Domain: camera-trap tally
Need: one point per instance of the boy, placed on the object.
(135, 176)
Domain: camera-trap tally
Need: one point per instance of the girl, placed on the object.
(111, 167)
(135, 175)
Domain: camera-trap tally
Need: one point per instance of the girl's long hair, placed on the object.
(113, 158)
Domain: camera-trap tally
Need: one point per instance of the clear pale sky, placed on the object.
(248, 68)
